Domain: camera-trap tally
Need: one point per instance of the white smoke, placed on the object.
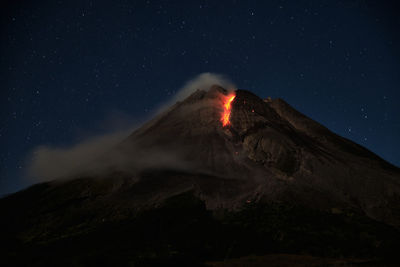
(49, 163)
(201, 82)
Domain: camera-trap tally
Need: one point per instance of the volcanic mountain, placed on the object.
(221, 174)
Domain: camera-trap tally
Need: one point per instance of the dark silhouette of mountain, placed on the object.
(185, 190)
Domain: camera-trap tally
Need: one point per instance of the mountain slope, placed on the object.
(271, 177)
(269, 151)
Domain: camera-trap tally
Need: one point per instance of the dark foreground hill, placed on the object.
(270, 187)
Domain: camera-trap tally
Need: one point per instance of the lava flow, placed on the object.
(227, 109)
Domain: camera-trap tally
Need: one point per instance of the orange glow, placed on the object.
(227, 110)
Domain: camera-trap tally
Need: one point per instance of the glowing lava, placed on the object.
(227, 110)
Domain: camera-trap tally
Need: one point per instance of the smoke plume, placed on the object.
(49, 163)
(201, 82)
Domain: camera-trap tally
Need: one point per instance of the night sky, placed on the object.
(73, 69)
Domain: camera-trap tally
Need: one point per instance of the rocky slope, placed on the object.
(272, 180)
(268, 152)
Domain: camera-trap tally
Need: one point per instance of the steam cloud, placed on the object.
(48, 163)
(201, 82)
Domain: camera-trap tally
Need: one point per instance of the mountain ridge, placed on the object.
(269, 159)
(269, 148)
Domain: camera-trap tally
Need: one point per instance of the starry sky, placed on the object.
(71, 69)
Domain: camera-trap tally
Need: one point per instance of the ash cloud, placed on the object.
(201, 82)
(87, 157)
(48, 163)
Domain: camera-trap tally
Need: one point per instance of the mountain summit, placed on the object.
(230, 151)
(266, 151)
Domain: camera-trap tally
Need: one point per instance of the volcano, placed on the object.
(220, 175)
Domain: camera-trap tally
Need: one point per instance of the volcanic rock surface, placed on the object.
(268, 153)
